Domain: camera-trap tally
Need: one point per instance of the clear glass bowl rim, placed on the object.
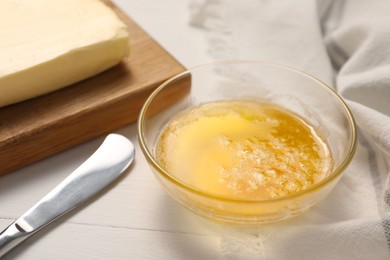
(335, 173)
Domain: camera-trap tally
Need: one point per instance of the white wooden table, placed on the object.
(135, 218)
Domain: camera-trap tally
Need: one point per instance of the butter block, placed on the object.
(49, 44)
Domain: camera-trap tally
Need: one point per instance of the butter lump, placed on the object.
(46, 45)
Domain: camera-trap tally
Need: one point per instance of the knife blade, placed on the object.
(101, 169)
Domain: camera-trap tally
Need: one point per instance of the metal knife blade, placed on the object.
(108, 162)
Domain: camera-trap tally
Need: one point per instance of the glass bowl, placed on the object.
(290, 88)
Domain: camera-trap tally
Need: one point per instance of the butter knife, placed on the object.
(108, 162)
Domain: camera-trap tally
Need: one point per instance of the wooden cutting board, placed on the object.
(37, 128)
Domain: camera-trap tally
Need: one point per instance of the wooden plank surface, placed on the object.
(37, 128)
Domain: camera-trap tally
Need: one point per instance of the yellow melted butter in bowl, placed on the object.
(243, 150)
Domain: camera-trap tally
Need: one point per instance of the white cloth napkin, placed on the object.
(345, 43)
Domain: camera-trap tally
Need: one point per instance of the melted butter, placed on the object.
(243, 150)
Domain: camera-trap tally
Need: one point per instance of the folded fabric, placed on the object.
(344, 43)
